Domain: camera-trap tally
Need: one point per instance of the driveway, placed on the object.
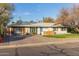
(37, 40)
(40, 39)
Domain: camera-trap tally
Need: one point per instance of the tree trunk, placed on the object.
(77, 29)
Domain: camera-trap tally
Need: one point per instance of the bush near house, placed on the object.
(72, 30)
(49, 33)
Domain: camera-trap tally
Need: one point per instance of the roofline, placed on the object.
(35, 26)
(30, 25)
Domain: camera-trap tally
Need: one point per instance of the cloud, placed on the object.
(14, 14)
(27, 13)
(21, 13)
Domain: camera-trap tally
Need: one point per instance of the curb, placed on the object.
(34, 44)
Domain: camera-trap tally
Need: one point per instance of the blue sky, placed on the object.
(36, 11)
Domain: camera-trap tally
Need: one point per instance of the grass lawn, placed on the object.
(64, 36)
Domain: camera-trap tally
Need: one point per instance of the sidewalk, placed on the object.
(37, 41)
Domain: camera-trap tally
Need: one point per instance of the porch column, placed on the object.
(10, 31)
(29, 30)
(38, 31)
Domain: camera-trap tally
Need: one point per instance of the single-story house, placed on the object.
(39, 28)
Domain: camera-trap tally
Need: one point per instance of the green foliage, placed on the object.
(5, 12)
(5, 15)
(64, 36)
(48, 20)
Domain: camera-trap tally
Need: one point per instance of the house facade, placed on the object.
(39, 28)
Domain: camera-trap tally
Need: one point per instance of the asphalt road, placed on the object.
(46, 50)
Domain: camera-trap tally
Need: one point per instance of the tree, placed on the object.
(31, 21)
(74, 19)
(19, 22)
(62, 18)
(70, 18)
(48, 20)
(5, 15)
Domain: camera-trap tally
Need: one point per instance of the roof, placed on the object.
(38, 25)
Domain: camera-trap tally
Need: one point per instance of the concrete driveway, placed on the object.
(36, 40)
(40, 40)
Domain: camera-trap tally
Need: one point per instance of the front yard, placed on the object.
(64, 36)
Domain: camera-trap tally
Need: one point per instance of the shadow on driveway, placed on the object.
(15, 37)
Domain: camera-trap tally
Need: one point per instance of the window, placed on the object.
(63, 29)
(55, 29)
(33, 30)
(41, 29)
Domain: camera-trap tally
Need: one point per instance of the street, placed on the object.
(40, 46)
(44, 50)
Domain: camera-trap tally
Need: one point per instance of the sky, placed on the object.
(36, 11)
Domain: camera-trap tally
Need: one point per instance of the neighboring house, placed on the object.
(39, 28)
